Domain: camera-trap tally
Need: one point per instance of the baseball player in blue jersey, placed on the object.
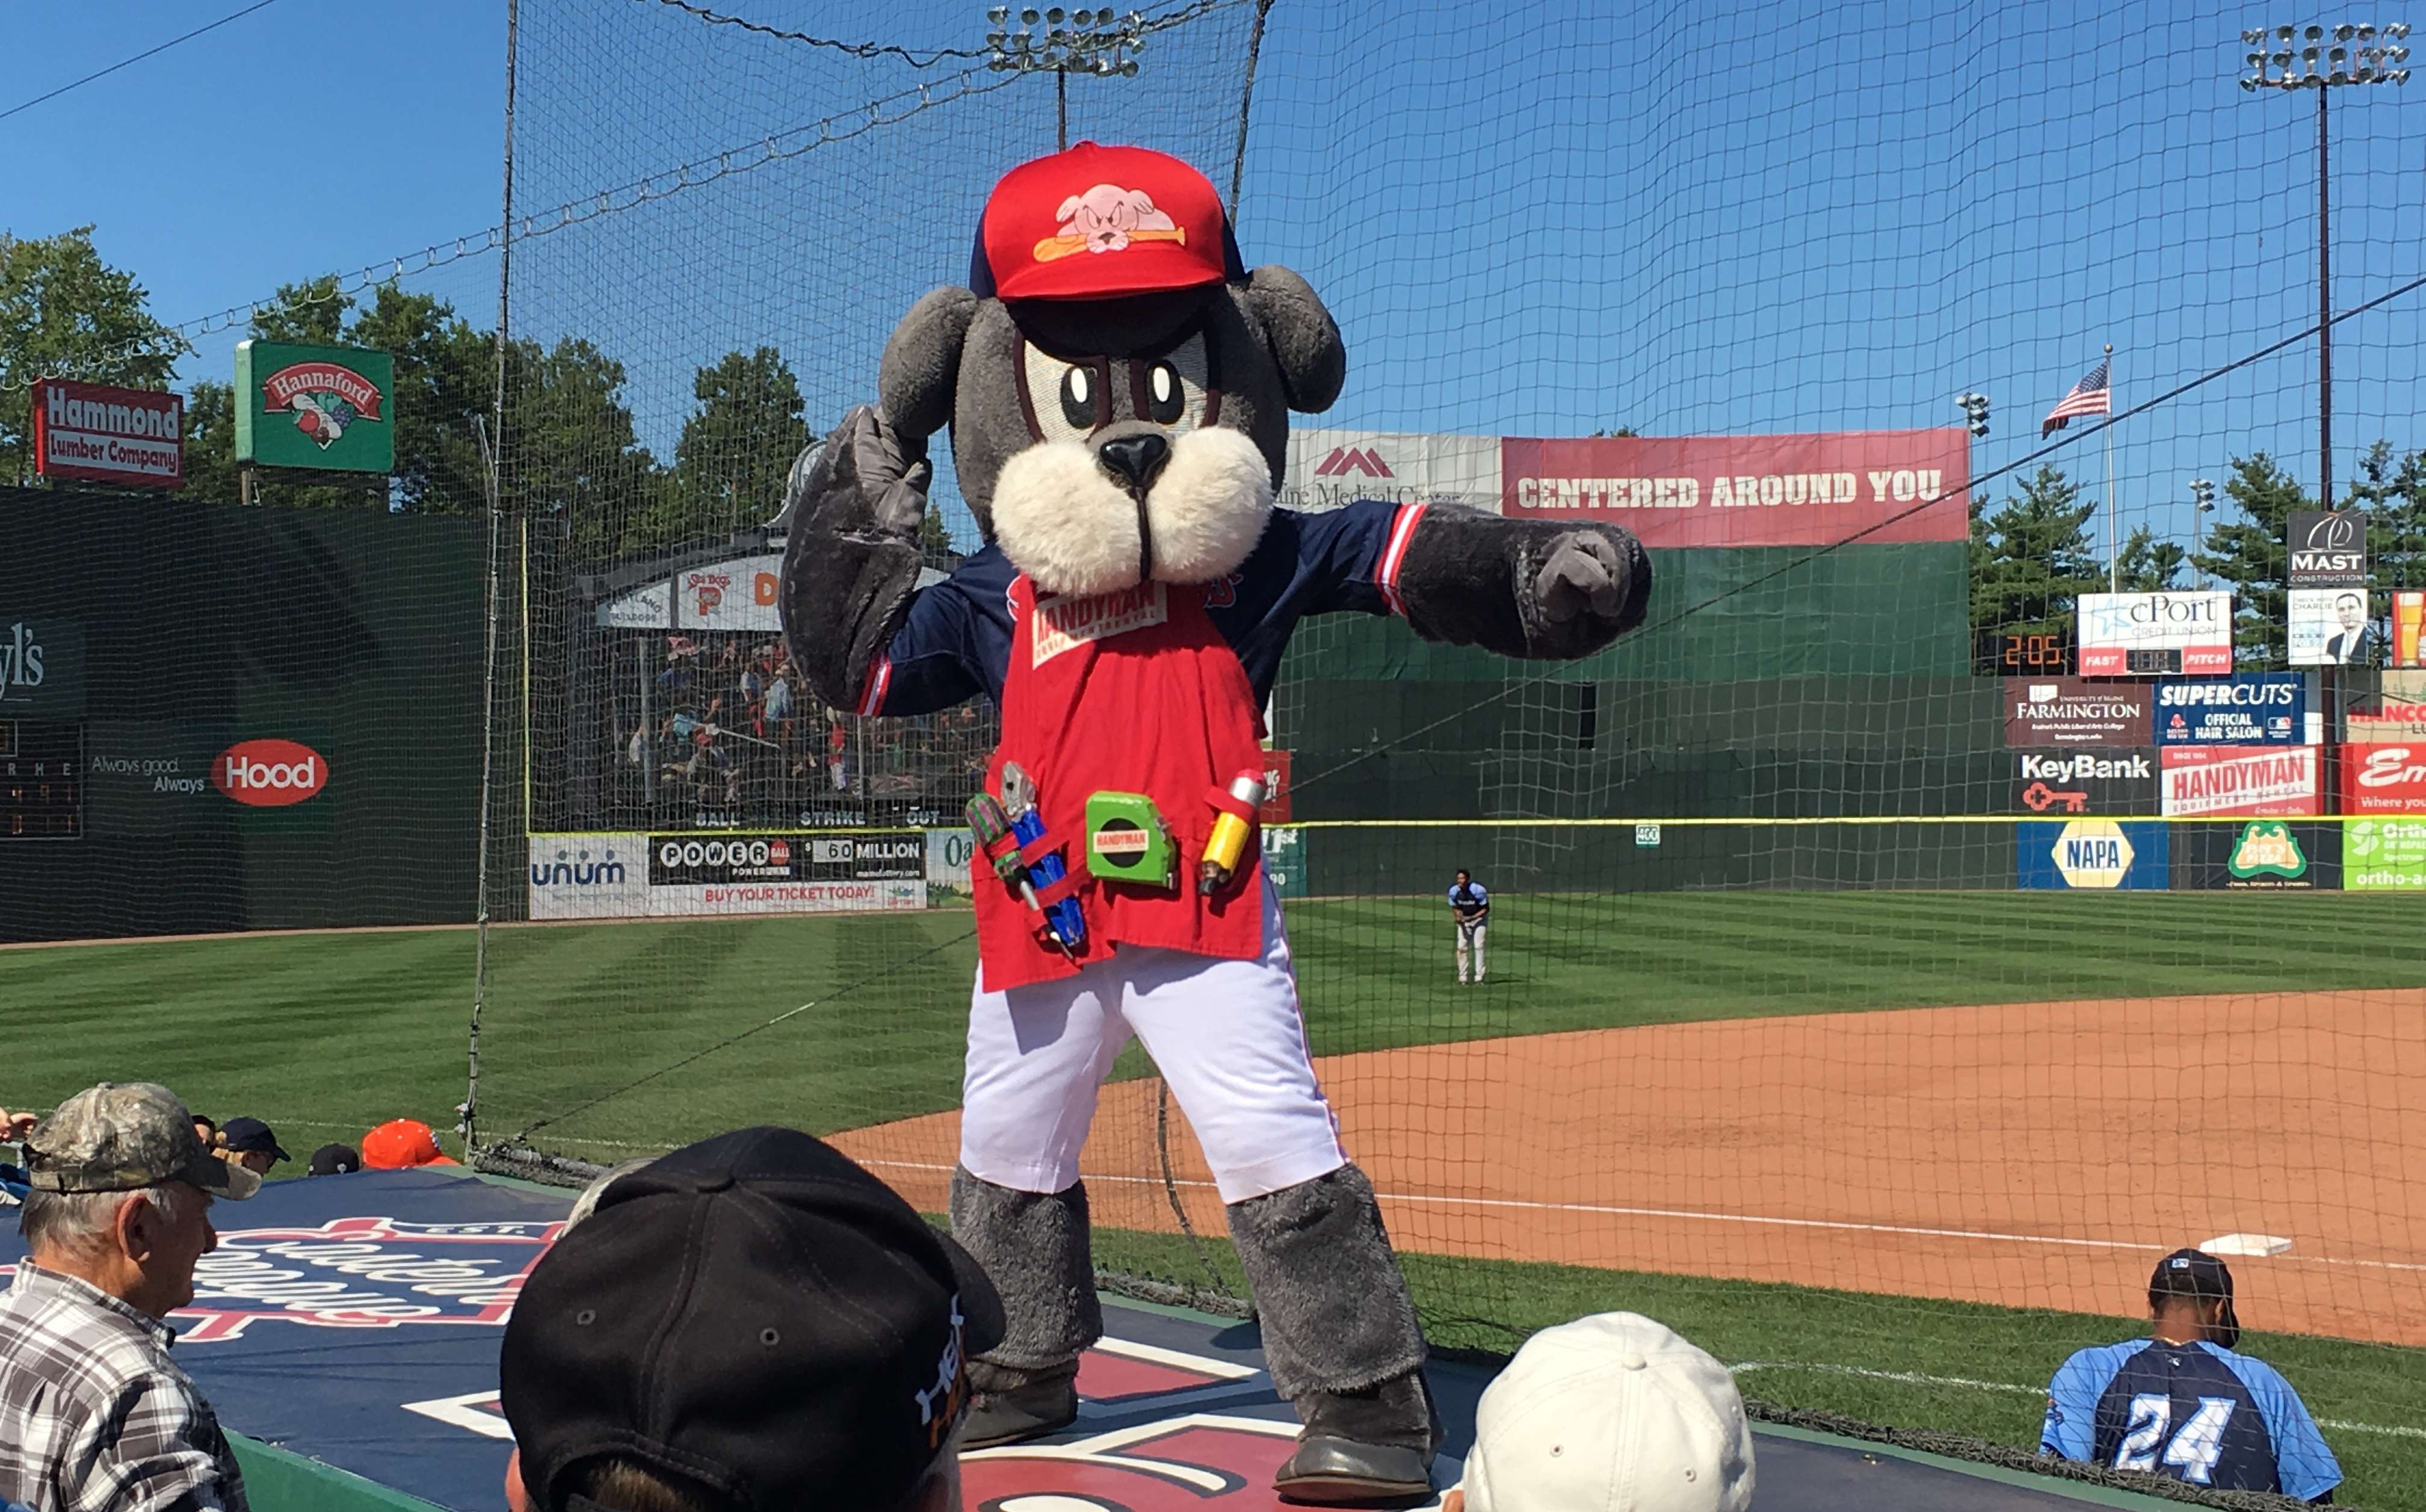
(1469, 904)
(2182, 1404)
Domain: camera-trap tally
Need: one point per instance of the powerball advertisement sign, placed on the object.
(631, 876)
(2258, 780)
(2180, 634)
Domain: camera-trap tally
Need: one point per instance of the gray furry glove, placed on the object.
(867, 481)
(1584, 573)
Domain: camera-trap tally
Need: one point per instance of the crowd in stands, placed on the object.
(732, 729)
(756, 1321)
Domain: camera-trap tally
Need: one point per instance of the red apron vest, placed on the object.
(1132, 692)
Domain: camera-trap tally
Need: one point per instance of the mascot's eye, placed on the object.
(1079, 397)
(1165, 402)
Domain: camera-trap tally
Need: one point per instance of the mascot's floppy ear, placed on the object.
(922, 363)
(1303, 339)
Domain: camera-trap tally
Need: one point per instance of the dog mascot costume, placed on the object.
(1118, 388)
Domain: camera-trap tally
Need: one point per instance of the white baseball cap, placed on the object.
(1611, 1413)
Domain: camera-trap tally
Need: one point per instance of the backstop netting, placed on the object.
(1895, 947)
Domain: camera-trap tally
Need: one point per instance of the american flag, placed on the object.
(2089, 396)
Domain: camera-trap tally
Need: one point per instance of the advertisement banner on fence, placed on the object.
(661, 876)
(736, 595)
(2384, 856)
(2072, 710)
(1749, 491)
(948, 856)
(100, 434)
(2259, 781)
(2252, 709)
(2326, 550)
(2171, 635)
(2328, 627)
(2398, 715)
(2084, 782)
(2258, 855)
(1328, 468)
(2093, 855)
(1284, 860)
(2384, 779)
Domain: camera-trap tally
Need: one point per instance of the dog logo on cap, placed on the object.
(1107, 218)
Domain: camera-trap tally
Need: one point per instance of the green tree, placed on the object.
(2248, 554)
(210, 444)
(2032, 558)
(2147, 565)
(935, 547)
(2393, 493)
(572, 453)
(733, 454)
(64, 313)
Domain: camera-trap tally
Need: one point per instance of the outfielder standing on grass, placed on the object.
(1469, 903)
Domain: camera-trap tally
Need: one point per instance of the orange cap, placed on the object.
(401, 1144)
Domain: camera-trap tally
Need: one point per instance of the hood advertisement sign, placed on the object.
(2384, 856)
(2259, 781)
(153, 779)
(2128, 635)
(1328, 468)
(2071, 711)
(1887, 486)
(2258, 855)
(329, 408)
(2092, 855)
(2054, 782)
(2326, 550)
(2252, 709)
(2328, 627)
(2384, 779)
(95, 433)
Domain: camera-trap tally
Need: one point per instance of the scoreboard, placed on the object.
(42, 779)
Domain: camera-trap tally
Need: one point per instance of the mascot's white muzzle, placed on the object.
(1071, 516)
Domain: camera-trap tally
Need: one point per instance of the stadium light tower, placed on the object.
(1975, 412)
(1100, 42)
(2311, 58)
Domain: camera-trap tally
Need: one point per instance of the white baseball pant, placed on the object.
(1226, 1034)
(1469, 941)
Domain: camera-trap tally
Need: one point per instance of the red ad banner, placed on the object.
(1748, 490)
(2384, 779)
(97, 433)
(2263, 781)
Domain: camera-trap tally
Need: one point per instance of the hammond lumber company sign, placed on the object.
(95, 433)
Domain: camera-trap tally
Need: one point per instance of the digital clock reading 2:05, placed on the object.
(42, 779)
(2040, 653)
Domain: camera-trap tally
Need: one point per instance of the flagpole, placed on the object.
(2113, 575)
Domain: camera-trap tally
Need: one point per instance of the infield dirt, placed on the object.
(2037, 1155)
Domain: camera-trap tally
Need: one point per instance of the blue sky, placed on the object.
(1759, 216)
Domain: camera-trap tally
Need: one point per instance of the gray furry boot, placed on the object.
(1341, 1342)
(1033, 1245)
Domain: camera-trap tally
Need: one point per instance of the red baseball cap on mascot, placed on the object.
(1103, 223)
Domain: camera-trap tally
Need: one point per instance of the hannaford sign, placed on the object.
(326, 408)
(100, 434)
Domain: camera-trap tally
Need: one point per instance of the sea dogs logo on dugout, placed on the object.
(269, 774)
(363, 1273)
(1197, 1461)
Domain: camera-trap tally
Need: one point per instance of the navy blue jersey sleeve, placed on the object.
(2306, 1467)
(954, 645)
(2070, 1430)
(1352, 554)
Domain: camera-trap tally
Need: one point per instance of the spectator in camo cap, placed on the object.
(94, 1417)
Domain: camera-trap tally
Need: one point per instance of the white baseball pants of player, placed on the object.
(1469, 945)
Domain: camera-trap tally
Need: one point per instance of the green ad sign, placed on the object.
(2384, 856)
(326, 408)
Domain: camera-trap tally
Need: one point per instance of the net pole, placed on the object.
(492, 439)
(1239, 157)
(2113, 573)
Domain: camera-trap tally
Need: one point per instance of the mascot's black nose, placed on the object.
(1135, 459)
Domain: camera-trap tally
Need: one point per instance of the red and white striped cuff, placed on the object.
(1394, 555)
(879, 676)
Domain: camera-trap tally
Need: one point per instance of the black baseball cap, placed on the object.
(2194, 1273)
(336, 1160)
(242, 1134)
(756, 1317)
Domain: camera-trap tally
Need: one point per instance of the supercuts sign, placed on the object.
(98, 434)
(2253, 709)
(1883, 486)
(2326, 550)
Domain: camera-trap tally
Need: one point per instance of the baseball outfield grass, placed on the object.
(601, 1038)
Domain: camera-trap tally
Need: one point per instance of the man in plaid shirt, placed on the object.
(93, 1415)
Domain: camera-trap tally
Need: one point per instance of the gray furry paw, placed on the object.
(1587, 586)
(867, 478)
